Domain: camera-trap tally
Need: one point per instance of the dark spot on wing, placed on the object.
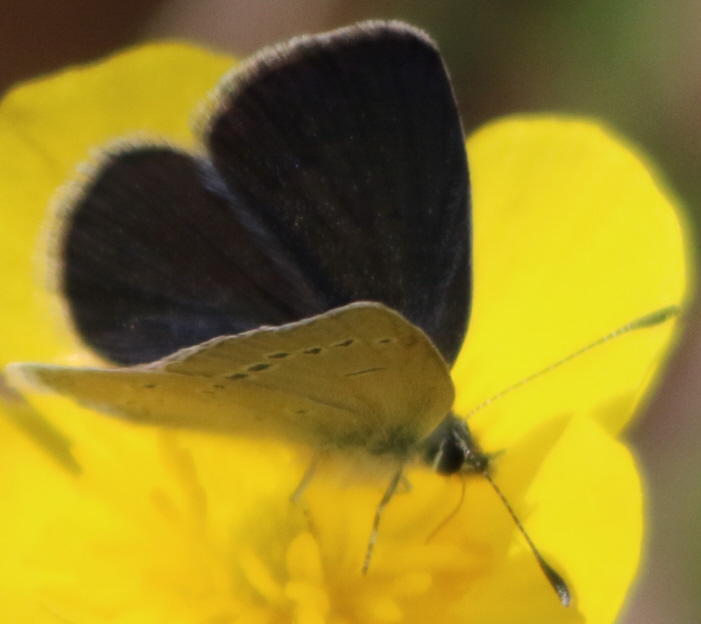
(218, 386)
(237, 376)
(313, 351)
(149, 386)
(258, 367)
(345, 343)
(277, 356)
(384, 340)
(364, 371)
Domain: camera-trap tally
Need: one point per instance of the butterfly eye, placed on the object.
(450, 456)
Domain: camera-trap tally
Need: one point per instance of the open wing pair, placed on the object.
(335, 173)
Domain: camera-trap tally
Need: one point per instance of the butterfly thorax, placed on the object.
(399, 442)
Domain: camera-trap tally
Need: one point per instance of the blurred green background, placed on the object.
(636, 64)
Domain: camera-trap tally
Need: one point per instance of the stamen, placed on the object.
(181, 466)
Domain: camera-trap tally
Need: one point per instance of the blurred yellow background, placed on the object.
(636, 64)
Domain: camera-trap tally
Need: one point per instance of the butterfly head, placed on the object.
(451, 449)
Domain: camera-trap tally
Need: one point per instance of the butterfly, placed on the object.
(308, 278)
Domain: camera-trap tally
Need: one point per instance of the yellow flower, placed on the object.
(106, 522)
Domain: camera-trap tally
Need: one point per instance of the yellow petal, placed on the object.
(573, 239)
(115, 541)
(578, 493)
(47, 128)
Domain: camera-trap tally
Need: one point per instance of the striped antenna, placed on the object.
(557, 582)
(649, 320)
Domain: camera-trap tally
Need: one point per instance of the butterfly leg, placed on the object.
(306, 479)
(404, 486)
(296, 496)
(378, 514)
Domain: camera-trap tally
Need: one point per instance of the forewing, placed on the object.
(359, 376)
(348, 148)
